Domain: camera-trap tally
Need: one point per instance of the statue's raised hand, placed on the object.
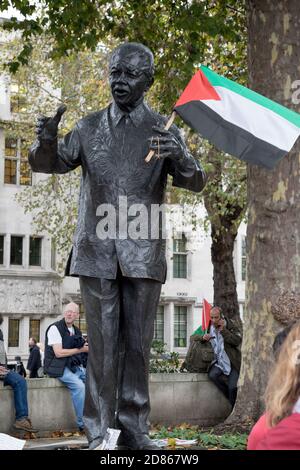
(46, 127)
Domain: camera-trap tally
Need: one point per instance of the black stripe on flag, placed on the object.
(228, 137)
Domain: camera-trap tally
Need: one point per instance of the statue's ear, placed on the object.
(149, 84)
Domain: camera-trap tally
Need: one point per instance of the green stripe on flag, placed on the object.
(199, 331)
(218, 80)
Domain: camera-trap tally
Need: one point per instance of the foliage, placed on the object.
(176, 30)
(224, 441)
(56, 43)
(209, 440)
(161, 361)
(59, 203)
(80, 81)
(225, 193)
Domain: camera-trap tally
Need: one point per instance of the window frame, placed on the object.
(81, 323)
(179, 323)
(32, 334)
(159, 325)
(32, 238)
(19, 160)
(2, 249)
(180, 256)
(10, 337)
(17, 96)
(22, 255)
(243, 258)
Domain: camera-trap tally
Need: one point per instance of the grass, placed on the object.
(207, 439)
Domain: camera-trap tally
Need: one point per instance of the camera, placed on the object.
(17, 366)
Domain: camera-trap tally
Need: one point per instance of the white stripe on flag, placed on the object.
(254, 118)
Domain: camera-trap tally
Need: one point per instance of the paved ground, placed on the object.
(72, 443)
(56, 443)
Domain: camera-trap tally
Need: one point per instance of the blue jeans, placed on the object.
(75, 382)
(19, 386)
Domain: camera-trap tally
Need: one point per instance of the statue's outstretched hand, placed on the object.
(165, 144)
(46, 127)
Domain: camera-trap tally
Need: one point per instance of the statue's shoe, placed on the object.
(138, 442)
(95, 444)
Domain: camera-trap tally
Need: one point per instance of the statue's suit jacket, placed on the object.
(111, 146)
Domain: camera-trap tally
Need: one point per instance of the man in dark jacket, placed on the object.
(120, 273)
(64, 346)
(225, 339)
(34, 360)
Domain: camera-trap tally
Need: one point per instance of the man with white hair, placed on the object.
(63, 347)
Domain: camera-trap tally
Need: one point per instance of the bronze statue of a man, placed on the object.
(121, 276)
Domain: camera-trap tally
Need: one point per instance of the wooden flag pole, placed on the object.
(167, 127)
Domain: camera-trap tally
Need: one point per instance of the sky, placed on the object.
(10, 12)
(13, 12)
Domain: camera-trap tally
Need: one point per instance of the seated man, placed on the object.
(64, 346)
(225, 339)
(19, 386)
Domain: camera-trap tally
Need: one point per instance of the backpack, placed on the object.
(199, 355)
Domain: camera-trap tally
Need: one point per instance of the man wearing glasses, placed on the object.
(64, 345)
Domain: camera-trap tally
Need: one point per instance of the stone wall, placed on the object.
(175, 399)
(186, 398)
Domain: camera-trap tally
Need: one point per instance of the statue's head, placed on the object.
(131, 71)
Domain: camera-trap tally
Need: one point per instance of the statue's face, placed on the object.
(127, 78)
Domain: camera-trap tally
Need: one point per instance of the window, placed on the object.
(35, 251)
(1, 249)
(11, 160)
(16, 250)
(81, 322)
(18, 100)
(179, 258)
(159, 324)
(53, 256)
(16, 168)
(180, 327)
(34, 329)
(13, 333)
(244, 266)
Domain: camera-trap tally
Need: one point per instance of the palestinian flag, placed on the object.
(238, 120)
(206, 308)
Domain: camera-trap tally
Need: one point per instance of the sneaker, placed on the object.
(24, 424)
(33, 429)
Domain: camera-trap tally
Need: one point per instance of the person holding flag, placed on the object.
(199, 354)
(225, 339)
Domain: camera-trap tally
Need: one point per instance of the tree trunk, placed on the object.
(225, 294)
(273, 242)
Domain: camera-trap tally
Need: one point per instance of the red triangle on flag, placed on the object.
(198, 88)
(205, 314)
